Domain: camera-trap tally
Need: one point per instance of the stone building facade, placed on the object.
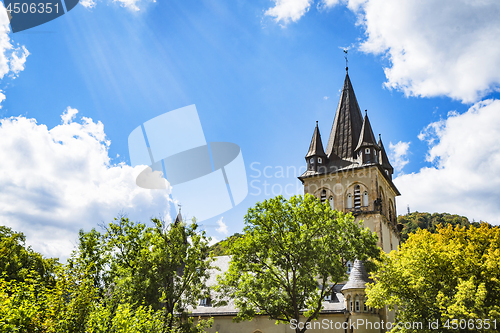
(353, 175)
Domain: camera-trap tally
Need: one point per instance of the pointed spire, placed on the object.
(366, 139)
(316, 146)
(383, 159)
(178, 218)
(347, 124)
(358, 277)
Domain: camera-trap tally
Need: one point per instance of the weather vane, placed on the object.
(345, 51)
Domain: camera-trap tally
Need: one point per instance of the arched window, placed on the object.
(323, 196)
(319, 160)
(357, 197)
(365, 308)
(349, 201)
(349, 267)
(356, 306)
(391, 210)
(365, 198)
(331, 203)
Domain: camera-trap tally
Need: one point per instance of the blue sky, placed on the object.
(260, 74)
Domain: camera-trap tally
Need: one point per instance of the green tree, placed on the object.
(33, 306)
(17, 261)
(453, 274)
(417, 220)
(163, 268)
(222, 248)
(293, 253)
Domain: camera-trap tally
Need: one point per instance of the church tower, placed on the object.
(354, 174)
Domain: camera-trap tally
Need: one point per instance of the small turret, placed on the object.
(384, 160)
(367, 149)
(354, 289)
(316, 158)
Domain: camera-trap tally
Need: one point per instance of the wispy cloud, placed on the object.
(399, 152)
(289, 10)
(132, 5)
(222, 227)
(12, 58)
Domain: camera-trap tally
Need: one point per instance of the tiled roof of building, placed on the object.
(358, 277)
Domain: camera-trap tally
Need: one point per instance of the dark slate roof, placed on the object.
(358, 277)
(366, 138)
(316, 146)
(384, 160)
(178, 218)
(347, 124)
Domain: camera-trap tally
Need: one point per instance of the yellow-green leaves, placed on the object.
(452, 274)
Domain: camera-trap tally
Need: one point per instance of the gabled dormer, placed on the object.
(316, 158)
(367, 150)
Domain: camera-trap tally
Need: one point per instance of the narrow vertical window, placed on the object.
(357, 197)
(320, 160)
(349, 201)
(331, 203)
(365, 198)
(349, 267)
(357, 304)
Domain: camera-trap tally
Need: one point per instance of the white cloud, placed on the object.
(2, 98)
(465, 178)
(327, 4)
(399, 152)
(435, 47)
(12, 59)
(68, 115)
(222, 227)
(56, 181)
(132, 5)
(88, 3)
(129, 4)
(18, 59)
(289, 10)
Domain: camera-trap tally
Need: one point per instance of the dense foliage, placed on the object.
(416, 221)
(222, 248)
(292, 254)
(132, 278)
(452, 274)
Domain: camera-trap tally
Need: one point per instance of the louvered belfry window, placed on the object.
(323, 196)
(357, 197)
